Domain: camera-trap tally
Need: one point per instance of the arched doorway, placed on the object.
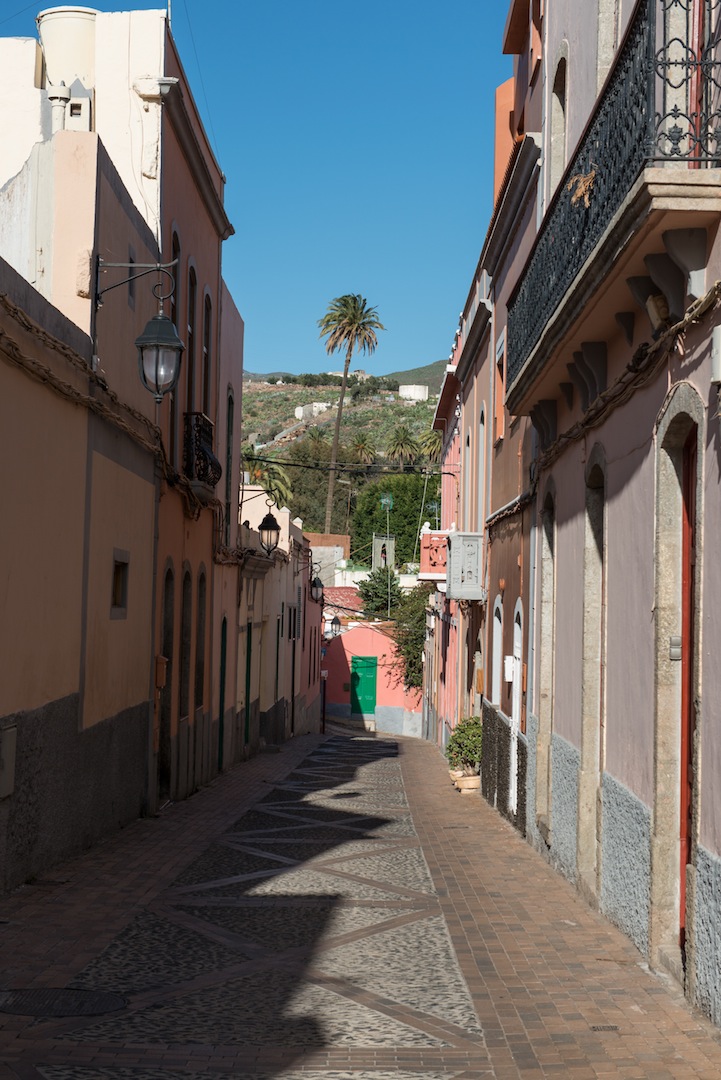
(677, 617)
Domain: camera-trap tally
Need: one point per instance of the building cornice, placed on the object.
(169, 92)
(513, 199)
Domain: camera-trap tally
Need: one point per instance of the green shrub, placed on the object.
(464, 746)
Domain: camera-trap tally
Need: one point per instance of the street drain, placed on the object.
(49, 1002)
(604, 1027)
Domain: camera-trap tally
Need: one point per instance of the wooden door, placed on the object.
(363, 685)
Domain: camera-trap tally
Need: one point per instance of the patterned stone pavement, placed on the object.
(334, 912)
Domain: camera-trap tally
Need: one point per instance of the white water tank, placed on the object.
(67, 37)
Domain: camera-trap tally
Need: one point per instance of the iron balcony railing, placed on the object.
(199, 462)
(661, 105)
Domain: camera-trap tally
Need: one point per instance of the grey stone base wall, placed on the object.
(430, 723)
(272, 723)
(495, 766)
(195, 754)
(242, 750)
(625, 860)
(312, 714)
(532, 833)
(394, 720)
(71, 787)
(337, 709)
(521, 795)
(565, 766)
(705, 951)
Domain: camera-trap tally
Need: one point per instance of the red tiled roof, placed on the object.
(342, 596)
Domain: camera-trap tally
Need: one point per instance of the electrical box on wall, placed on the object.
(464, 567)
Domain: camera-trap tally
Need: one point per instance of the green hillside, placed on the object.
(431, 376)
(268, 411)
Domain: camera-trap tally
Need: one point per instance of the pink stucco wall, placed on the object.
(367, 641)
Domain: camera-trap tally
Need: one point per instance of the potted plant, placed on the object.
(463, 751)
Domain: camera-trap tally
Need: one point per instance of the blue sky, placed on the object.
(357, 141)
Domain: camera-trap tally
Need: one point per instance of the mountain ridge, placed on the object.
(427, 374)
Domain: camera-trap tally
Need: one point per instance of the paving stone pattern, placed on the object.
(334, 912)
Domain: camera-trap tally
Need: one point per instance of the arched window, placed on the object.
(185, 642)
(516, 705)
(481, 515)
(497, 653)
(467, 476)
(207, 357)
(200, 643)
(558, 124)
(190, 343)
(229, 506)
(174, 307)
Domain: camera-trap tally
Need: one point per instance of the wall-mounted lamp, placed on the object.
(316, 590)
(335, 626)
(159, 347)
(159, 352)
(269, 533)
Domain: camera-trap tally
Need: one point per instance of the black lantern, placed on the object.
(159, 353)
(335, 626)
(316, 590)
(269, 533)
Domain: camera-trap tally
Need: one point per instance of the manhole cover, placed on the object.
(59, 1002)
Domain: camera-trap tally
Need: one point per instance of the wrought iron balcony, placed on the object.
(661, 106)
(200, 464)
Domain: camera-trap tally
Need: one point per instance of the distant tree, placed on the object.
(316, 435)
(380, 592)
(402, 445)
(431, 444)
(347, 324)
(410, 634)
(268, 475)
(363, 449)
(307, 465)
(404, 518)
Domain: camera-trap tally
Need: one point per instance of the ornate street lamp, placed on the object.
(269, 533)
(316, 590)
(159, 352)
(335, 626)
(159, 347)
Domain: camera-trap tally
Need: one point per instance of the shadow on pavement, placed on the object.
(222, 959)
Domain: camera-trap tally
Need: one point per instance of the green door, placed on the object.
(363, 685)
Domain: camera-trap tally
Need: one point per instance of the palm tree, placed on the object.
(268, 475)
(347, 324)
(402, 445)
(363, 449)
(316, 436)
(431, 444)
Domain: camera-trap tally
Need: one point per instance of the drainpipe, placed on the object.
(58, 96)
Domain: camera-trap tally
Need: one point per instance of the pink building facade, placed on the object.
(595, 483)
(364, 683)
(126, 646)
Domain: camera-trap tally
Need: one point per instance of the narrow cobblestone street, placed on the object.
(330, 912)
